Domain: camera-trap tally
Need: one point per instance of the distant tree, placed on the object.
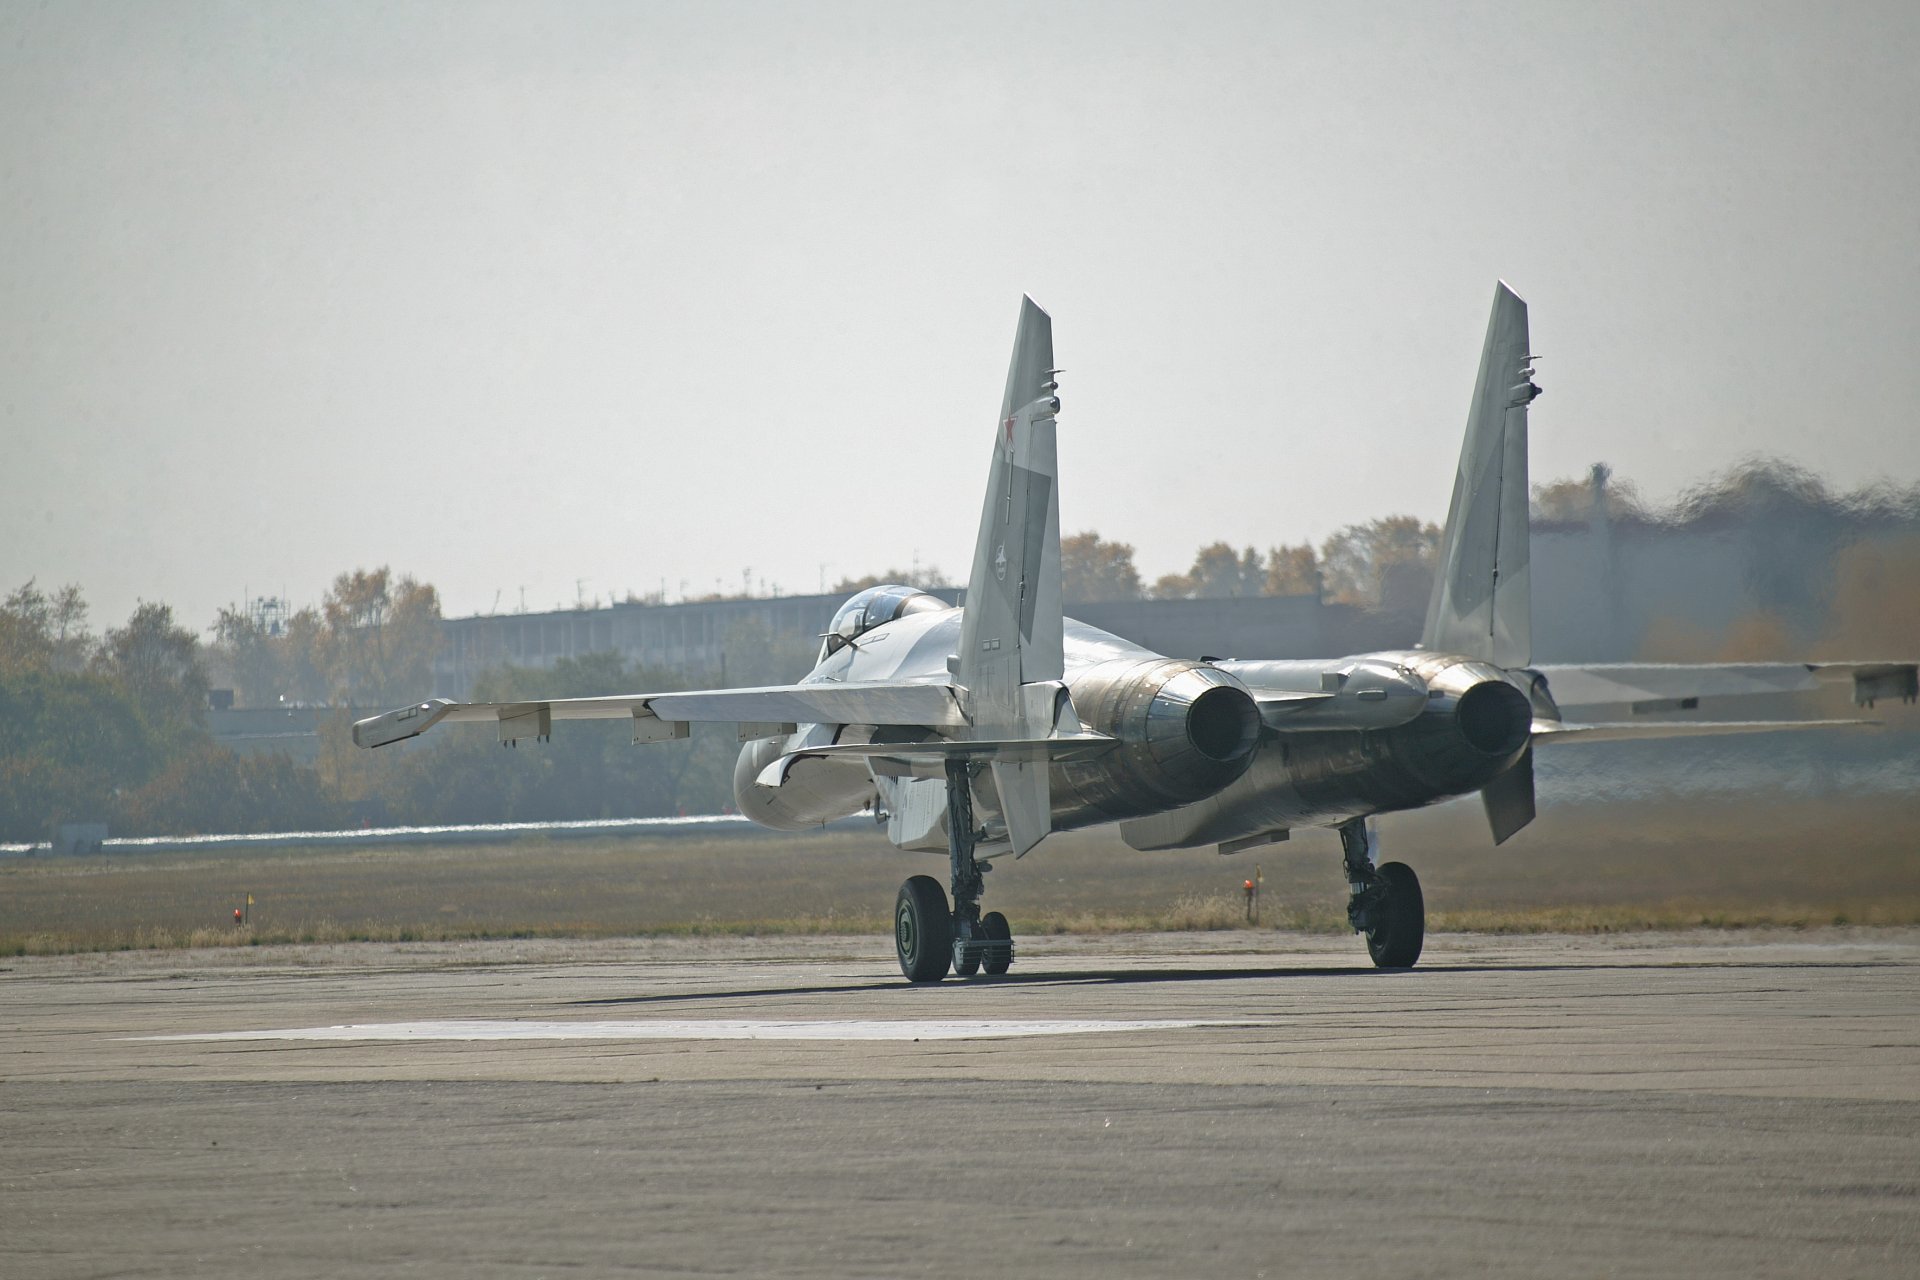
(1569, 501)
(1766, 488)
(381, 636)
(73, 742)
(80, 744)
(44, 632)
(1876, 601)
(1293, 571)
(1092, 568)
(302, 661)
(1218, 571)
(159, 665)
(253, 659)
(1357, 563)
(1171, 586)
(200, 787)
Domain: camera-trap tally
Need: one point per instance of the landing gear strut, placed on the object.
(926, 936)
(1386, 905)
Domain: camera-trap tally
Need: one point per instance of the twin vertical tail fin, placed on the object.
(1482, 604)
(1482, 601)
(1011, 635)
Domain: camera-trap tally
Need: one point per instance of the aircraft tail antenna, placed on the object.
(1482, 603)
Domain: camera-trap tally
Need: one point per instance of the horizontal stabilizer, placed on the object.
(1668, 685)
(1545, 731)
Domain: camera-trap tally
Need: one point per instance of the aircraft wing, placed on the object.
(1546, 731)
(1651, 686)
(660, 716)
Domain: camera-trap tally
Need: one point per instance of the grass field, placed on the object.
(1581, 868)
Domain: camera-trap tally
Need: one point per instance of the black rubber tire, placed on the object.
(922, 930)
(1394, 943)
(995, 926)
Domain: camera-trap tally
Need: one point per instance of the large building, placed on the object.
(1603, 591)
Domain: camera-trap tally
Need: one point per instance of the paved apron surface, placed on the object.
(1217, 1104)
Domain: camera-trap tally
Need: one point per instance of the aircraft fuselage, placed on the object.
(1196, 764)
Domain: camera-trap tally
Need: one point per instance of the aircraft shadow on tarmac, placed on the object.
(1151, 976)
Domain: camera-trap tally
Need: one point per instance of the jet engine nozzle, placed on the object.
(1185, 730)
(1222, 722)
(1475, 723)
(1494, 718)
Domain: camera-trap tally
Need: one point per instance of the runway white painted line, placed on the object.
(694, 1029)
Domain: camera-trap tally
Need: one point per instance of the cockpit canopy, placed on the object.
(868, 609)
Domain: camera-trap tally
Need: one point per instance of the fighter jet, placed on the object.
(977, 731)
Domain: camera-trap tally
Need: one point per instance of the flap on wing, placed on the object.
(876, 702)
(1546, 731)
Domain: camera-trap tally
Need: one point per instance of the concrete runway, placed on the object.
(1705, 1104)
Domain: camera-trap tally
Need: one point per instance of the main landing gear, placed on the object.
(1386, 904)
(927, 937)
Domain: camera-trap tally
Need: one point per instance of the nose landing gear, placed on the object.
(927, 938)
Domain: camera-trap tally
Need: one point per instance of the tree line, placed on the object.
(113, 727)
(1360, 565)
(371, 641)
(1357, 565)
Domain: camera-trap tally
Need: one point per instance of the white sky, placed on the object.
(517, 295)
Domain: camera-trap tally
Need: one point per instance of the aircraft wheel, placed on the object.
(1394, 942)
(922, 930)
(995, 926)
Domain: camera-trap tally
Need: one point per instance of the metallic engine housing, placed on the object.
(1184, 730)
(1475, 724)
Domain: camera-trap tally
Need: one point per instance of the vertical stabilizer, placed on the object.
(1482, 601)
(1011, 634)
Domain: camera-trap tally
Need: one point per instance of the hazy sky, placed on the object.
(513, 296)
